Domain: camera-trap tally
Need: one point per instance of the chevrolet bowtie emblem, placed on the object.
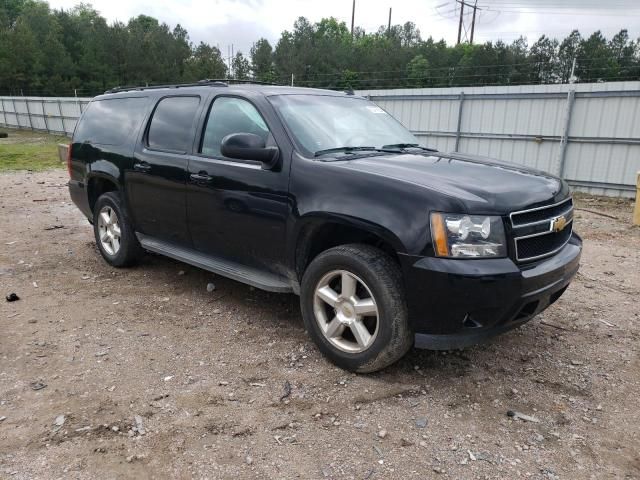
(558, 223)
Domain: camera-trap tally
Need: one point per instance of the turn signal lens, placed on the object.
(439, 235)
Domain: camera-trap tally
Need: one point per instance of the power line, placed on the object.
(580, 60)
(559, 12)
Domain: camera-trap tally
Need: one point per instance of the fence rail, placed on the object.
(588, 134)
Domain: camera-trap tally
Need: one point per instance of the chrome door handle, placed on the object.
(201, 177)
(142, 167)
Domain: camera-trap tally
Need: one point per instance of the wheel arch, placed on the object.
(99, 183)
(317, 233)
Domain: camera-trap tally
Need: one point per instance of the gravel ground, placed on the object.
(143, 373)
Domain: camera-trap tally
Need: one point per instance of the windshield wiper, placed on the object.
(342, 150)
(402, 146)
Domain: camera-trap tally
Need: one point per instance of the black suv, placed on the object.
(324, 194)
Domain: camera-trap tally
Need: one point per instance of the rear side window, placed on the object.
(171, 124)
(110, 121)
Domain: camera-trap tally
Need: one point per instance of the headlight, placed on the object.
(462, 236)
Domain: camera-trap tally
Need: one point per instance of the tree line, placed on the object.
(46, 51)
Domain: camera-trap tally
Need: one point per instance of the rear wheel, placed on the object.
(354, 309)
(114, 234)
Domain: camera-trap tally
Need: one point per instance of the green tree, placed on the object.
(179, 52)
(544, 58)
(568, 51)
(595, 66)
(348, 80)
(418, 71)
(205, 62)
(240, 67)
(623, 57)
(44, 51)
(262, 61)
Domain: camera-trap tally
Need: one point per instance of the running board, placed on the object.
(251, 276)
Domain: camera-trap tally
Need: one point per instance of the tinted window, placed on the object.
(231, 115)
(110, 121)
(320, 122)
(171, 124)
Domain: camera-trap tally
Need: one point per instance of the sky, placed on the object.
(242, 22)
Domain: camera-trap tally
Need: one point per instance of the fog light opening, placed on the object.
(528, 310)
(557, 295)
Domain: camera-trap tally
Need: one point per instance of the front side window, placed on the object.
(171, 124)
(231, 115)
(323, 122)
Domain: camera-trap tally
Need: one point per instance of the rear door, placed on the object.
(157, 181)
(103, 142)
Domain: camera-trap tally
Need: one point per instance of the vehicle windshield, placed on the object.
(326, 124)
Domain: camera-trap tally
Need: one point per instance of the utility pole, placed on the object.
(460, 23)
(353, 16)
(473, 22)
(389, 27)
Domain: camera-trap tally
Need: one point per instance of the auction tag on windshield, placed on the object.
(374, 109)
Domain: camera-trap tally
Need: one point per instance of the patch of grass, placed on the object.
(26, 150)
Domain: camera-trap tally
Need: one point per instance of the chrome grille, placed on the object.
(533, 230)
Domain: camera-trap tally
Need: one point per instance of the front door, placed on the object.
(235, 208)
(156, 184)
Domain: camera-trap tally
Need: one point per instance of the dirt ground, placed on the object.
(143, 373)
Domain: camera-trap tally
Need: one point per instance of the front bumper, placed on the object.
(456, 303)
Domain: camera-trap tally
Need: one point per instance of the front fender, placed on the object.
(395, 211)
(313, 221)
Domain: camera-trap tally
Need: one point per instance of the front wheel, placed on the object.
(353, 307)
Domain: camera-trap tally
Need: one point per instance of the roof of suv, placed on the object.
(205, 87)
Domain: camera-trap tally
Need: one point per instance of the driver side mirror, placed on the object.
(249, 146)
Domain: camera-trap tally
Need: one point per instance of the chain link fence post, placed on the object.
(44, 115)
(564, 139)
(460, 104)
(15, 111)
(4, 113)
(64, 129)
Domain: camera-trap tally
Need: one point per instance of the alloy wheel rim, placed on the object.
(346, 311)
(109, 230)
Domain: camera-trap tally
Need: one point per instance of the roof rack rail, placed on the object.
(236, 80)
(211, 82)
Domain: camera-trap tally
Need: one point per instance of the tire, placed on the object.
(128, 249)
(377, 276)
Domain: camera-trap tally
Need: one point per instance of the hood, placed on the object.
(483, 185)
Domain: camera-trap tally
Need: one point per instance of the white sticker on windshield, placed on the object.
(374, 109)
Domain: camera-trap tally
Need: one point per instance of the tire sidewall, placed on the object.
(313, 274)
(112, 199)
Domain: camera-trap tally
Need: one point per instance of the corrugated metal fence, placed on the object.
(56, 115)
(586, 133)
